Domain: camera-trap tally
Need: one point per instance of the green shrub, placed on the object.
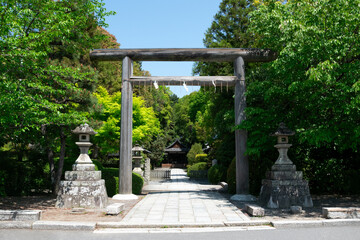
(216, 174)
(197, 167)
(201, 158)
(111, 184)
(98, 165)
(231, 177)
(111, 177)
(196, 148)
(2, 183)
(137, 183)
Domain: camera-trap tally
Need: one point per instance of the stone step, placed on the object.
(20, 215)
(340, 213)
(82, 175)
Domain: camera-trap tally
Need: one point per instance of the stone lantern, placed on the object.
(84, 131)
(83, 186)
(282, 134)
(284, 186)
(137, 157)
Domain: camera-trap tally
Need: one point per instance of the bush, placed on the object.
(137, 183)
(198, 170)
(195, 149)
(111, 184)
(216, 174)
(98, 165)
(111, 177)
(231, 177)
(201, 158)
(198, 166)
(2, 183)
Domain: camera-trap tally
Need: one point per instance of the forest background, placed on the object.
(49, 85)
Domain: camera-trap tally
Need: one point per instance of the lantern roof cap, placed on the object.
(137, 148)
(84, 129)
(283, 131)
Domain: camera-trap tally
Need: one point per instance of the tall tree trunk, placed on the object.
(61, 160)
(50, 154)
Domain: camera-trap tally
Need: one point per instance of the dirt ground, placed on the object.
(46, 203)
(313, 213)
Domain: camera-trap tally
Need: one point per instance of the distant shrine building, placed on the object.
(175, 155)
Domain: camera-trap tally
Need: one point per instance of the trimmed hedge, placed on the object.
(111, 177)
(137, 183)
(198, 170)
(216, 174)
(201, 158)
(198, 166)
(98, 165)
(231, 177)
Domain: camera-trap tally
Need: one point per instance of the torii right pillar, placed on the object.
(242, 163)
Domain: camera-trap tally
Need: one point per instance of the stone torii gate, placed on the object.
(237, 55)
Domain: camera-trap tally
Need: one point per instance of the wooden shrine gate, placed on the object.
(237, 55)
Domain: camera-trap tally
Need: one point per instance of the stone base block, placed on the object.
(284, 175)
(340, 213)
(254, 210)
(82, 194)
(285, 193)
(83, 167)
(82, 175)
(296, 209)
(283, 167)
(115, 208)
(224, 185)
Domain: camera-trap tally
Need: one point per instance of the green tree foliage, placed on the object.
(194, 150)
(228, 30)
(45, 79)
(145, 124)
(312, 86)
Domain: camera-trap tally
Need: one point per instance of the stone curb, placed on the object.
(156, 225)
(247, 223)
(15, 225)
(91, 226)
(59, 225)
(316, 223)
(20, 215)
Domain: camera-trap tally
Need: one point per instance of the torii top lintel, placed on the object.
(185, 54)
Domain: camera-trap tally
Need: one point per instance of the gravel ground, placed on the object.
(46, 203)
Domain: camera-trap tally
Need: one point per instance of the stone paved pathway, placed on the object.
(182, 201)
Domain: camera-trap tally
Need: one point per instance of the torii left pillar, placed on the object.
(125, 164)
(242, 162)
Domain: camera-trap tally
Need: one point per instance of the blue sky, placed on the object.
(162, 24)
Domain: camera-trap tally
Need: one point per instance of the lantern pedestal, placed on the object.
(284, 186)
(83, 187)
